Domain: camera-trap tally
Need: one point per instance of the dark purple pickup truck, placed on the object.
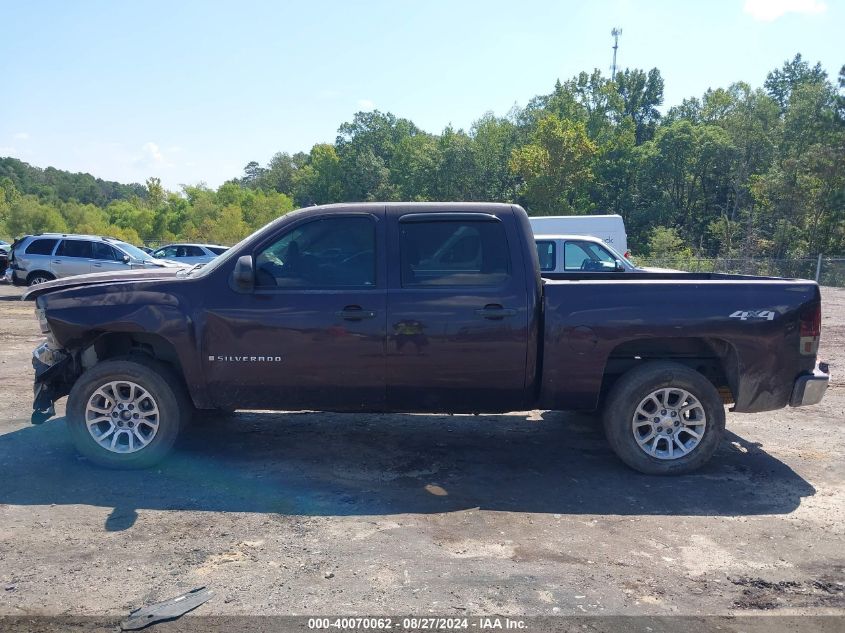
(420, 307)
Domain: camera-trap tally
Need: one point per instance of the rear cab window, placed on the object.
(41, 247)
(546, 251)
(447, 252)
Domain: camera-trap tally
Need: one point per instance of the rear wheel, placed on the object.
(39, 277)
(126, 413)
(664, 418)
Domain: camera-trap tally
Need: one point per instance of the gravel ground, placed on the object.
(527, 513)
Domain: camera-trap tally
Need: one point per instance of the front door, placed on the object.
(457, 314)
(106, 258)
(311, 335)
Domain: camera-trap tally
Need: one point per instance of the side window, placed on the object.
(194, 251)
(587, 256)
(41, 247)
(105, 252)
(167, 252)
(546, 253)
(218, 250)
(333, 252)
(453, 253)
(600, 253)
(75, 248)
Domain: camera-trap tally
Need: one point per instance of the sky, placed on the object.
(190, 91)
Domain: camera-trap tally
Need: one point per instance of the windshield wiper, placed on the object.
(184, 272)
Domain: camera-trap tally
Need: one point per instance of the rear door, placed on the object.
(72, 257)
(457, 314)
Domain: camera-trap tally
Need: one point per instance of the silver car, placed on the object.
(190, 253)
(39, 258)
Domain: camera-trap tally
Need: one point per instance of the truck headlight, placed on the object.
(41, 315)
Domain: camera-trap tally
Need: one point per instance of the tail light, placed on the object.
(627, 254)
(810, 329)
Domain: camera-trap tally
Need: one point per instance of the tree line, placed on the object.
(740, 171)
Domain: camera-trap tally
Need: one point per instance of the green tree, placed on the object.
(28, 216)
(556, 167)
(780, 83)
(641, 95)
(320, 180)
(665, 242)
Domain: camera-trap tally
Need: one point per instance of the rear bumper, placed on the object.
(810, 389)
(13, 276)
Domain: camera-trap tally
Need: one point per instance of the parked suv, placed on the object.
(190, 253)
(39, 258)
(5, 247)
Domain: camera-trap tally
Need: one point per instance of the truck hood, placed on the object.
(94, 279)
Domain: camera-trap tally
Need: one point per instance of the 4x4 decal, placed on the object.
(754, 315)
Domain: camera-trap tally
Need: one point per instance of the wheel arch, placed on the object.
(715, 358)
(113, 345)
(32, 274)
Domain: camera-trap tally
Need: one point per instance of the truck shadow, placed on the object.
(324, 464)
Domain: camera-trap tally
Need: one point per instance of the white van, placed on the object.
(608, 228)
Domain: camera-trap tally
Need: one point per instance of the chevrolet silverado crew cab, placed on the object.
(420, 307)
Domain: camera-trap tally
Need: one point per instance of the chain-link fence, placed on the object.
(828, 271)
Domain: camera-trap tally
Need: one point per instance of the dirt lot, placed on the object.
(527, 513)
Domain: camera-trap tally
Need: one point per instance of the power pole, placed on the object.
(615, 33)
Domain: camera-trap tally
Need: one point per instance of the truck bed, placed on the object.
(740, 330)
(657, 276)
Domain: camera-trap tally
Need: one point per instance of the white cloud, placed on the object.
(366, 104)
(152, 157)
(21, 136)
(152, 152)
(7, 150)
(771, 10)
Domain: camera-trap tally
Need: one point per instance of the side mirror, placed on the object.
(620, 267)
(126, 259)
(244, 275)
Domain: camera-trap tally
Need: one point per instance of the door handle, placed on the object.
(97, 265)
(355, 313)
(495, 311)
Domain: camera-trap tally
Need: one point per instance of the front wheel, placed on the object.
(664, 418)
(126, 413)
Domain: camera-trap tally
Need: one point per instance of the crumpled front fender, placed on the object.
(51, 383)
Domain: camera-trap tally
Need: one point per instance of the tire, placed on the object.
(167, 405)
(38, 277)
(649, 423)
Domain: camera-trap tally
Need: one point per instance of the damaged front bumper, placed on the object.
(51, 367)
